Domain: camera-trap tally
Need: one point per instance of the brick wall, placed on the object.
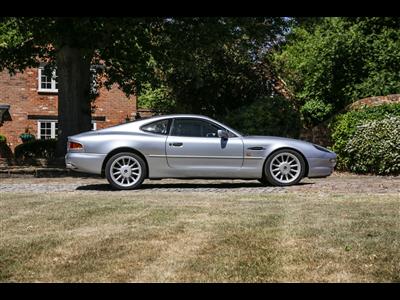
(146, 113)
(21, 93)
(115, 106)
(319, 134)
(373, 101)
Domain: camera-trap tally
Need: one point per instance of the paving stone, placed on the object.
(337, 183)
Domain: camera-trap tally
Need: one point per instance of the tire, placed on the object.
(284, 168)
(126, 171)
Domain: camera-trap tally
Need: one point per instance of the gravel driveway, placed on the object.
(337, 183)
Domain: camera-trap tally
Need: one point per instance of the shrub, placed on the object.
(375, 148)
(269, 116)
(5, 151)
(36, 149)
(315, 111)
(344, 126)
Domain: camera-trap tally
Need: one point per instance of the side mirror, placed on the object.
(223, 134)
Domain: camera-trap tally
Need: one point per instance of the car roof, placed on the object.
(178, 116)
(141, 122)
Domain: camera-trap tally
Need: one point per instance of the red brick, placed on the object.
(21, 93)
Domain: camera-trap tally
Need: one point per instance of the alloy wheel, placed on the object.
(125, 171)
(285, 168)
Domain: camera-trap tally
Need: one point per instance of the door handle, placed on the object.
(176, 144)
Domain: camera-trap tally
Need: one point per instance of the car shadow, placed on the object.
(184, 185)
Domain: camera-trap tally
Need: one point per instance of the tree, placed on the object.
(158, 99)
(183, 53)
(72, 45)
(331, 62)
(215, 65)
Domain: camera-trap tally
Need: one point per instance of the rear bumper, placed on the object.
(84, 162)
(321, 167)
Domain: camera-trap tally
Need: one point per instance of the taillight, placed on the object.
(75, 146)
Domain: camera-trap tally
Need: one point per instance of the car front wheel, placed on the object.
(125, 171)
(284, 167)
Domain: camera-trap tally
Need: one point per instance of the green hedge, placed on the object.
(375, 148)
(36, 149)
(315, 111)
(2, 139)
(269, 116)
(344, 126)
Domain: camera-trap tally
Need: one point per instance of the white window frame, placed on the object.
(53, 82)
(52, 128)
(53, 88)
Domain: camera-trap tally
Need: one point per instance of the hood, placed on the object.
(277, 141)
(273, 138)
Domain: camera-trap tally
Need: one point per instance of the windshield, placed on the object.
(234, 129)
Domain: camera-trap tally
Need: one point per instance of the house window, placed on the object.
(47, 81)
(49, 129)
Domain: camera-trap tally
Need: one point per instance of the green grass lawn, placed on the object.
(199, 237)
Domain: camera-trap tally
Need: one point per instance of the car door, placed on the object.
(193, 148)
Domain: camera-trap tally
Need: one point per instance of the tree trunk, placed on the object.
(74, 108)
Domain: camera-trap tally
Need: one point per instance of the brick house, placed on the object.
(29, 100)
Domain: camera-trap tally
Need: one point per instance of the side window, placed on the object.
(194, 128)
(158, 127)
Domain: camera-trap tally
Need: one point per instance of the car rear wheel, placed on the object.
(125, 171)
(284, 167)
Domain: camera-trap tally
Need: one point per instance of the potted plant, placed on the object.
(27, 136)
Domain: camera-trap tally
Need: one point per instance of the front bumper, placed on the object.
(84, 162)
(321, 167)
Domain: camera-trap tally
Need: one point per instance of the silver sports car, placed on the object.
(193, 146)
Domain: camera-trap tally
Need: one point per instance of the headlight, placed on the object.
(322, 148)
